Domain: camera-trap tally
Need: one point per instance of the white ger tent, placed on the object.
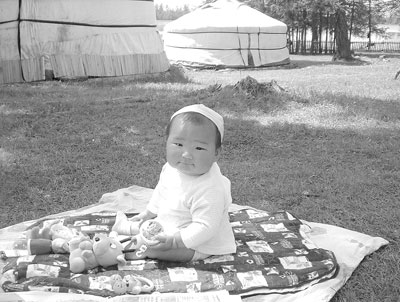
(226, 33)
(78, 38)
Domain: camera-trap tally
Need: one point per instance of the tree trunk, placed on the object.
(342, 39)
(326, 33)
(304, 40)
(351, 20)
(320, 32)
(369, 25)
(292, 38)
(314, 32)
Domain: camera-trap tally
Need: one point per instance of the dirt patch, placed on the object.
(251, 88)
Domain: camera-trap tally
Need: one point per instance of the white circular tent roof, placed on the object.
(226, 33)
(226, 15)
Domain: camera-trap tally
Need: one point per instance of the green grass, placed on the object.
(327, 149)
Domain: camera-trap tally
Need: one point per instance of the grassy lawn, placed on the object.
(327, 148)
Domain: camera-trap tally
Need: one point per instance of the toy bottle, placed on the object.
(146, 237)
(39, 246)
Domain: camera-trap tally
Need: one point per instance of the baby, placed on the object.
(192, 197)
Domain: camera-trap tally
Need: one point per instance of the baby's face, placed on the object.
(190, 147)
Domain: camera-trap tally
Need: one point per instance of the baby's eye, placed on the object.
(178, 144)
(200, 148)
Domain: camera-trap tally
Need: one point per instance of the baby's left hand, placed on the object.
(167, 242)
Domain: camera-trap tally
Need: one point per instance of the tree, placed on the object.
(343, 50)
(166, 13)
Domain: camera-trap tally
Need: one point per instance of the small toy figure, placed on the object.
(130, 284)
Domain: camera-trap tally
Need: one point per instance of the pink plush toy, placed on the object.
(108, 250)
(81, 257)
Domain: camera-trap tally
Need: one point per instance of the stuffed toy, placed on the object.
(58, 230)
(60, 246)
(108, 250)
(81, 257)
(39, 233)
(53, 237)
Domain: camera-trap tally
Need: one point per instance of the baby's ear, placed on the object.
(218, 152)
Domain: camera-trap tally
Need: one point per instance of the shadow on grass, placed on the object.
(304, 61)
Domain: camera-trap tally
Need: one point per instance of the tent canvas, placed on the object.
(226, 33)
(78, 38)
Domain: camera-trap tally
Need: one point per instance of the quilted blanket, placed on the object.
(274, 254)
(349, 248)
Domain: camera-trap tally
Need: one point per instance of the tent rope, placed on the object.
(250, 60)
(258, 43)
(240, 46)
(19, 37)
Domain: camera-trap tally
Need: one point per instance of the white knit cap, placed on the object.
(207, 112)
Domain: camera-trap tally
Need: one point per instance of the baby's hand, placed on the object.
(143, 216)
(135, 218)
(166, 242)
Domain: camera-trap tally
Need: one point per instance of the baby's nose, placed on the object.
(186, 154)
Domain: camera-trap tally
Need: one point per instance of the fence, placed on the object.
(328, 47)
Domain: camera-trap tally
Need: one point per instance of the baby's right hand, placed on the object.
(143, 216)
(135, 218)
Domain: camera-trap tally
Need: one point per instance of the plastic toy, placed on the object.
(131, 284)
(149, 230)
(39, 246)
(146, 237)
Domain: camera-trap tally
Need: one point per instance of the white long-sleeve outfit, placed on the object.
(198, 207)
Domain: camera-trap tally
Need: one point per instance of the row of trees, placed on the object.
(164, 12)
(338, 20)
(334, 20)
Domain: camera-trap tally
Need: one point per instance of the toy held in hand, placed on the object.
(149, 230)
(147, 237)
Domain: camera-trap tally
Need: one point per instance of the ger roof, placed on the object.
(225, 16)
